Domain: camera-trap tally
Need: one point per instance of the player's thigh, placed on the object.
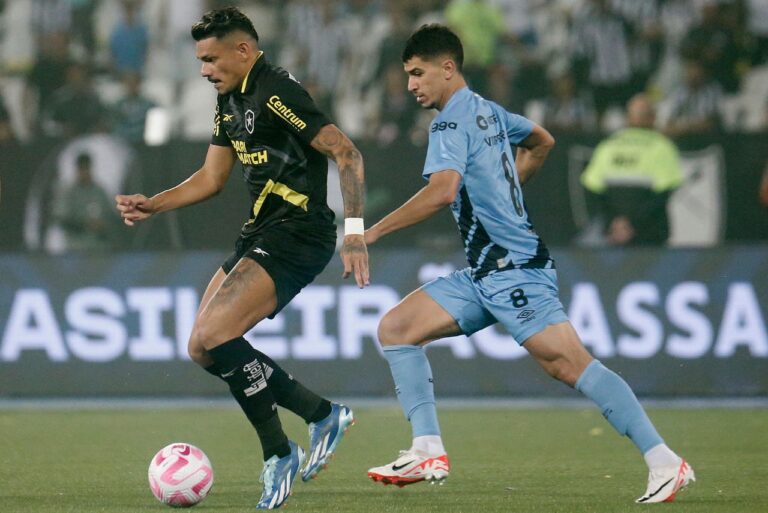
(416, 320)
(212, 287)
(195, 347)
(246, 296)
(559, 350)
(444, 307)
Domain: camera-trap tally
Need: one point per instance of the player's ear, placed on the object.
(449, 68)
(244, 50)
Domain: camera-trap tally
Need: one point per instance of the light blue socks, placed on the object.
(618, 405)
(415, 390)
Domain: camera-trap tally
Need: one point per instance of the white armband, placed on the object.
(353, 226)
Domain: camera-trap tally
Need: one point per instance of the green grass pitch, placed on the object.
(504, 460)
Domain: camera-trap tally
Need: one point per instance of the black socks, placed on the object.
(239, 365)
(291, 394)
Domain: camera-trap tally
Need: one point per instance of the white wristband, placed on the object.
(353, 226)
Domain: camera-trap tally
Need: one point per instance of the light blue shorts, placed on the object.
(525, 301)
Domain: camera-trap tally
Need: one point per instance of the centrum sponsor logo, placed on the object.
(285, 113)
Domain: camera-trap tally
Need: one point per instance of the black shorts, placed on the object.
(292, 260)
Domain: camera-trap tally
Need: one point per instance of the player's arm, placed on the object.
(204, 183)
(335, 144)
(532, 151)
(439, 192)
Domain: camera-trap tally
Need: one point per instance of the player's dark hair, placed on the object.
(433, 41)
(221, 22)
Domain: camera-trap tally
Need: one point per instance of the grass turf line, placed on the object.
(505, 460)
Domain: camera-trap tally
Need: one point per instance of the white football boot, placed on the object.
(411, 467)
(665, 482)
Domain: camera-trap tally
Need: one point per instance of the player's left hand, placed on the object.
(354, 255)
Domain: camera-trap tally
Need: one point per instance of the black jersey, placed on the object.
(270, 121)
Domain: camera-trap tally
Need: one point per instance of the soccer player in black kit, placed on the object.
(266, 119)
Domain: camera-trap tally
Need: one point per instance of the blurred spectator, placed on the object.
(764, 187)
(601, 54)
(130, 113)
(694, 107)
(677, 17)
(757, 24)
(6, 130)
(631, 177)
(83, 30)
(129, 40)
(396, 111)
(84, 212)
(480, 26)
(717, 42)
(316, 44)
(45, 77)
(646, 38)
(75, 108)
(51, 17)
(568, 108)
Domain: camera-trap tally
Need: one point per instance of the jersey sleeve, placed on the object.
(293, 109)
(448, 148)
(518, 128)
(219, 137)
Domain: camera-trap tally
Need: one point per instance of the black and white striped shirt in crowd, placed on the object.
(686, 105)
(603, 39)
(642, 15)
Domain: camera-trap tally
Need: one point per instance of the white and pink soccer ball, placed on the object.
(180, 475)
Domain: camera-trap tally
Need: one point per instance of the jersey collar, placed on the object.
(250, 77)
(457, 96)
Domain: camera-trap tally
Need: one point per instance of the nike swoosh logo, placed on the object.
(396, 467)
(659, 489)
(228, 374)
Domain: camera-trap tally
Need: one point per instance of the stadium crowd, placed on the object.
(70, 66)
(104, 77)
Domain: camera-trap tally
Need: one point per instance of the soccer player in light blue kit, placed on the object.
(472, 165)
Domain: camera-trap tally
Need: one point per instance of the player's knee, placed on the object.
(563, 370)
(197, 353)
(202, 337)
(392, 330)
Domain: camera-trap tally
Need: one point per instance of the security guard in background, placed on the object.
(631, 177)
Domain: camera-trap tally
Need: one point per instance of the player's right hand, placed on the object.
(134, 207)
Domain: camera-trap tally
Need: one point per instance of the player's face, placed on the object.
(224, 63)
(426, 81)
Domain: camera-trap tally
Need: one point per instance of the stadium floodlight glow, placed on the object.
(157, 128)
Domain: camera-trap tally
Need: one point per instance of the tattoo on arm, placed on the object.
(332, 142)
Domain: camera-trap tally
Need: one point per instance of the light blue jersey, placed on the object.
(475, 137)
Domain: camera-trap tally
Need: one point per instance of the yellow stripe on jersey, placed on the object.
(282, 190)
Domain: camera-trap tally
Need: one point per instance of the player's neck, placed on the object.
(455, 85)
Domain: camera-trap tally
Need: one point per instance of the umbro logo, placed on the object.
(525, 314)
(261, 252)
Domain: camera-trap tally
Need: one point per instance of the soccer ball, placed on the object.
(180, 475)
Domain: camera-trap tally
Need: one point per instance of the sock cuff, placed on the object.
(589, 375)
(232, 353)
(401, 348)
(420, 403)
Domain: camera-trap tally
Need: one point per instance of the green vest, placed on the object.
(638, 157)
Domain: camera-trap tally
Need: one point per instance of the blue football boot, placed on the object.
(324, 438)
(278, 475)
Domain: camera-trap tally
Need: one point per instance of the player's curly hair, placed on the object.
(221, 22)
(433, 41)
